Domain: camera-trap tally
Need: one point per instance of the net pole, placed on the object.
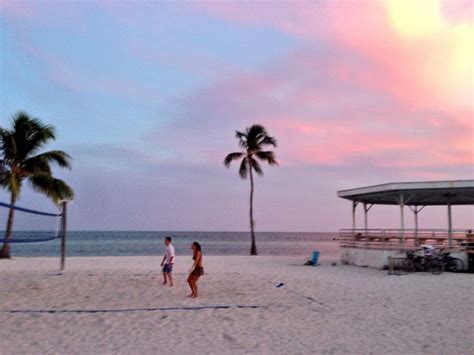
(63, 235)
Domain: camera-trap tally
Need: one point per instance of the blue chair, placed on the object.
(314, 259)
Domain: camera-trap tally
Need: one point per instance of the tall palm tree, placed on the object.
(252, 142)
(20, 148)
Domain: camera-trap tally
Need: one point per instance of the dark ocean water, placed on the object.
(126, 243)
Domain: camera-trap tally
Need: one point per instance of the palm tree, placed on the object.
(252, 142)
(20, 147)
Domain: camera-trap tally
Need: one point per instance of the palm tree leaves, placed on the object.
(40, 164)
(256, 166)
(8, 144)
(11, 182)
(244, 168)
(18, 146)
(252, 141)
(254, 138)
(232, 156)
(58, 157)
(242, 137)
(30, 134)
(55, 189)
(249, 162)
(257, 137)
(267, 156)
(266, 140)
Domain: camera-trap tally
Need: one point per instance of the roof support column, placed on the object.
(416, 210)
(402, 221)
(354, 206)
(366, 212)
(450, 224)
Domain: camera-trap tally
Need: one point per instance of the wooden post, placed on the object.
(63, 235)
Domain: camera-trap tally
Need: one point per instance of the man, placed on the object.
(168, 261)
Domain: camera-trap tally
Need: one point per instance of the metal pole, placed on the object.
(365, 218)
(63, 236)
(450, 224)
(415, 211)
(402, 222)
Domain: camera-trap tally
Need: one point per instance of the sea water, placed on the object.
(126, 243)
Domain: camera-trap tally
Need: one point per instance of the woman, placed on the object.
(196, 270)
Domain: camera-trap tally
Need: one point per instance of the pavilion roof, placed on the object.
(429, 193)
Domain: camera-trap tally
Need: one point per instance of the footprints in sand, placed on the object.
(229, 338)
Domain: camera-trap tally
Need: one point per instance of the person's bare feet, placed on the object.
(190, 295)
(194, 296)
(171, 284)
(164, 282)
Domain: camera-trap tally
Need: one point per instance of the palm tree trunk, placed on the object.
(253, 248)
(5, 253)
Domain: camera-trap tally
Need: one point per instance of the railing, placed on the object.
(390, 239)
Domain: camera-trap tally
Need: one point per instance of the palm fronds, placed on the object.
(55, 189)
(18, 147)
(252, 140)
(256, 166)
(231, 157)
(244, 168)
(267, 156)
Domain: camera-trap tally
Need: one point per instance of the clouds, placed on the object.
(373, 80)
(425, 46)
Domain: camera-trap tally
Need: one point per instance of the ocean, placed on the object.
(125, 243)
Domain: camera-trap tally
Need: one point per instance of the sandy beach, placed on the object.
(118, 305)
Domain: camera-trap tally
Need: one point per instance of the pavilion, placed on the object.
(415, 196)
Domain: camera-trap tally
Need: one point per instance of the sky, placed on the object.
(147, 96)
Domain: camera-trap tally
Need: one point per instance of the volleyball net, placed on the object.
(29, 226)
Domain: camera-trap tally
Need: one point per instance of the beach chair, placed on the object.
(314, 259)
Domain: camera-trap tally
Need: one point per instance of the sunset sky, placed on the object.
(146, 97)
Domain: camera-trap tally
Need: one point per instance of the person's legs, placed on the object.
(194, 287)
(195, 279)
(190, 282)
(167, 269)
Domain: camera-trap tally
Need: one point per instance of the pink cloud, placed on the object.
(433, 69)
(348, 121)
(417, 78)
(301, 18)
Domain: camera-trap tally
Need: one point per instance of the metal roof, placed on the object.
(430, 193)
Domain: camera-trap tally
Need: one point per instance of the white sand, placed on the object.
(322, 310)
